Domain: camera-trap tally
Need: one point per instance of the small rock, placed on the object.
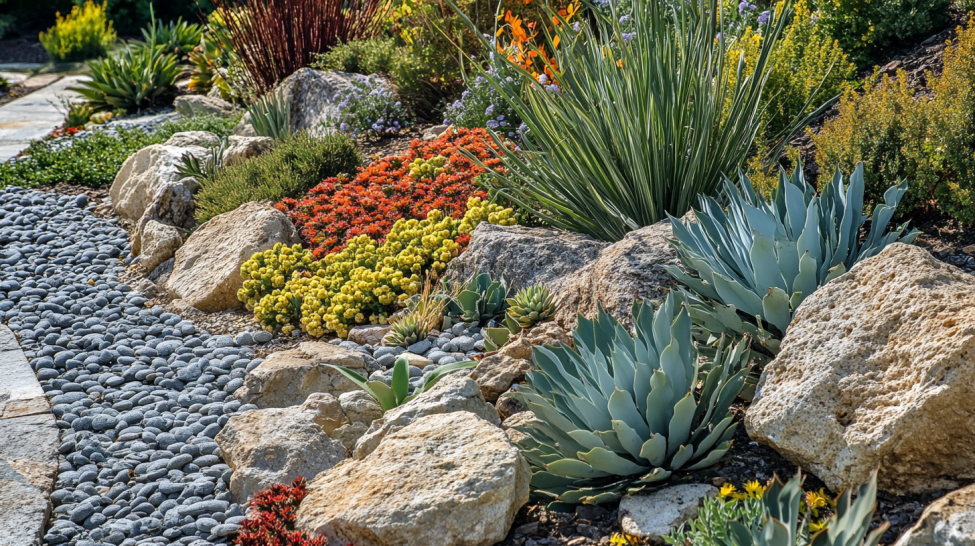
(655, 515)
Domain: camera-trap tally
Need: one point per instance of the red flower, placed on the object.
(383, 192)
(271, 518)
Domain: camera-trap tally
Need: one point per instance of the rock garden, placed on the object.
(319, 273)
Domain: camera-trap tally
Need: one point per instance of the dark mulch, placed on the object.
(373, 150)
(23, 49)
(746, 461)
(14, 93)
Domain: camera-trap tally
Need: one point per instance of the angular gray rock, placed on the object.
(242, 148)
(270, 446)
(146, 171)
(159, 243)
(876, 371)
(454, 392)
(172, 204)
(199, 105)
(524, 256)
(496, 373)
(371, 334)
(187, 139)
(653, 516)
(206, 273)
(628, 270)
(287, 378)
(948, 521)
(450, 480)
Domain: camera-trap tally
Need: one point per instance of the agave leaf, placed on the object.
(659, 403)
(546, 480)
(383, 394)
(605, 460)
(587, 439)
(680, 423)
(713, 457)
(657, 475)
(835, 272)
(776, 305)
(655, 449)
(574, 468)
(401, 379)
(629, 439)
(764, 260)
(684, 454)
(622, 407)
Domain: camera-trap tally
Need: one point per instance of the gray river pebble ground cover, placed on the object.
(139, 393)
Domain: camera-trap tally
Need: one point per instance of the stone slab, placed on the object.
(13, 78)
(29, 442)
(35, 115)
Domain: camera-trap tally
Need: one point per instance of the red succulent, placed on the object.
(271, 518)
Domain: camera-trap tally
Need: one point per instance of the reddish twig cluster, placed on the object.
(271, 520)
(384, 192)
(274, 38)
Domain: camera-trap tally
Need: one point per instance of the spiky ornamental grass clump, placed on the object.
(618, 412)
(754, 261)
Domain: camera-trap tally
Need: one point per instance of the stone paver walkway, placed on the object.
(33, 116)
(28, 448)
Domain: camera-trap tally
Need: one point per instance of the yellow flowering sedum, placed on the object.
(362, 283)
(428, 168)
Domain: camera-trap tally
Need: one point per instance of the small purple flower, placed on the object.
(446, 121)
(489, 111)
(501, 117)
(763, 17)
(746, 5)
(553, 89)
(624, 19)
(627, 36)
(491, 124)
(523, 128)
(542, 79)
(479, 80)
(344, 127)
(577, 27)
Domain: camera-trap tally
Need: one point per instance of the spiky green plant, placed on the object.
(205, 169)
(532, 305)
(398, 392)
(619, 412)
(778, 518)
(480, 301)
(131, 79)
(752, 262)
(271, 116)
(405, 332)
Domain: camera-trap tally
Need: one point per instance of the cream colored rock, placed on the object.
(454, 392)
(948, 521)
(186, 139)
(628, 270)
(349, 434)
(143, 174)
(653, 516)
(270, 446)
(449, 480)
(496, 373)
(516, 420)
(371, 334)
(287, 378)
(877, 371)
(328, 413)
(419, 361)
(199, 105)
(206, 274)
(547, 334)
(159, 243)
(172, 204)
(360, 407)
(242, 148)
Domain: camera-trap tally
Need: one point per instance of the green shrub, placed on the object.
(129, 80)
(930, 142)
(288, 170)
(372, 56)
(598, 152)
(132, 15)
(176, 37)
(84, 34)
(94, 161)
(865, 28)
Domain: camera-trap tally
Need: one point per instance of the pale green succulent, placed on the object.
(531, 305)
(618, 412)
(405, 332)
(481, 300)
(397, 392)
(752, 262)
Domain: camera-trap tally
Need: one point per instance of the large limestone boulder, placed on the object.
(145, 172)
(242, 148)
(186, 139)
(206, 274)
(948, 521)
(286, 378)
(172, 204)
(199, 105)
(454, 392)
(628, 270)
(525, 256)
(159, 243)
(496, 373)
(269, 446)
(876, 371)
(449, 479)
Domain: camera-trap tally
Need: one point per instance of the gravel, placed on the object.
(139, 393)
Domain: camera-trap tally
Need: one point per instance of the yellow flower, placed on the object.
(727, 490)
(754, 489)
(816, 500)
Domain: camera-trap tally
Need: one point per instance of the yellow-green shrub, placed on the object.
(361, 284)
(928, 142)
(85, 33)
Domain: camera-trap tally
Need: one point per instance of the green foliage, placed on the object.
(780, 518)
(618, 412)
(929, 142)
(205, 169)
(480, 301)
(753, 260)
(598, 153)
(84, 34)
(131, 79)
(405, 332)
(288, 170)
(76, 114)
(4, 85)
(397, 393)
(865, 28)
(176, 37)
(271, 116)
(372, 56)
(94, 161)
(214, 62)
(532, 305)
